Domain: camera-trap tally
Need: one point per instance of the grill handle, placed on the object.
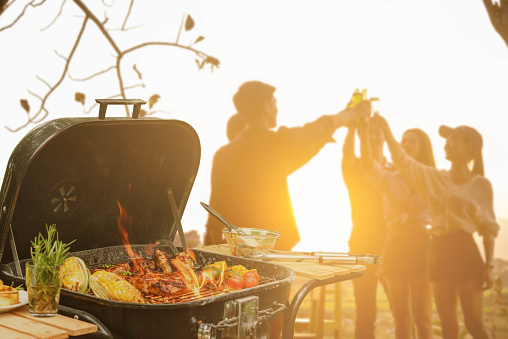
(103, 106)
(242, 319)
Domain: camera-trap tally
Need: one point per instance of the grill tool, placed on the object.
(333, 258)
(231, 227)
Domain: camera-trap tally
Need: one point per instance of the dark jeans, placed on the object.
(365, 289)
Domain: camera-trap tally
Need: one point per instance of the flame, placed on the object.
(125, 220)
(190, 278)
(207, 277)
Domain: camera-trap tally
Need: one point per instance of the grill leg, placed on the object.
(290, 313)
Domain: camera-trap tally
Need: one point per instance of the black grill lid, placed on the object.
(79, 172)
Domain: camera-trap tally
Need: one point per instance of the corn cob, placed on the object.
(75, 275)
(107, 285)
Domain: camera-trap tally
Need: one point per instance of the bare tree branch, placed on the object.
(43, 112)
(56, 17)
(8, 4)
(43, 81)
(59, 55)
(125, 29)
(180, 30)
(43, 101)
(30, 4)
(93, 75)
(498, 14)
(99, 25)
(128, 14)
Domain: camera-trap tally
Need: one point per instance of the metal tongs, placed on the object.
(333, 258)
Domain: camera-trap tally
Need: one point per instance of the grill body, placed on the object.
(79, 173)
(179, 320)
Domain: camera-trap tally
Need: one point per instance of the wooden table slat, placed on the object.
(7, 333)
(72, 326)
(31, 326)
(19, 324)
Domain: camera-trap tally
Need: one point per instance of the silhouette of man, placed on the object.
(249, 174)
(235, 126)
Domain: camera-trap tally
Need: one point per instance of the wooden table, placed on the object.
(18, 323)
(319, 275)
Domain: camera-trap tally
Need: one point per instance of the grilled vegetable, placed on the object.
(107, 285)
(75, 275)
(240, 269)
(251, 278)
(236, 282)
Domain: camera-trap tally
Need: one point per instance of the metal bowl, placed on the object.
(256, 237)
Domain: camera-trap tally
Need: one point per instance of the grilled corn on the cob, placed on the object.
(110, 286)
(75, 275)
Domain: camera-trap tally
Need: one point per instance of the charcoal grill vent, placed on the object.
(64, 198)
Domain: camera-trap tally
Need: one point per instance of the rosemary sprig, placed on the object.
(49, 251)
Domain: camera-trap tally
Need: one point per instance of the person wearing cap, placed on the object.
(249, 174)
(460, 203)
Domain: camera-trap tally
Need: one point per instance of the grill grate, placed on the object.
(206, 292)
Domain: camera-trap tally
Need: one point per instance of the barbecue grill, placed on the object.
(80, 174)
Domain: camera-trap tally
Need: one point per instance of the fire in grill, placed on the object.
(162, 282)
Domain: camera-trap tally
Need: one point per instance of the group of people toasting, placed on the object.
(420, 219)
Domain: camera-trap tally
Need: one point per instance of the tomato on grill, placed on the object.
(236, 282)
(251, 278)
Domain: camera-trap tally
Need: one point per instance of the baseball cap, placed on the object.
(471, 135)
(466, 132)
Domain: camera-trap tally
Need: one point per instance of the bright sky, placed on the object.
(431, 63)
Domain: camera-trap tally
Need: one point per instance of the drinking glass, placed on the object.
(43, 285)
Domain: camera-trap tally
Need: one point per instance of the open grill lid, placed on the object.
(80, 173)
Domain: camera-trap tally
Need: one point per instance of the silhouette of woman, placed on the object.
(460, 202)
(405, 254)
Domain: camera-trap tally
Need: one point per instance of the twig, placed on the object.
(128, 14)
(180, 30)
(43, 81)
(56, 17)
(119, 55)
(43, 100)
(99, 25)
(30, 4)
(93, 75)
(125, 29)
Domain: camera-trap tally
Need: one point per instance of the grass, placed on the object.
(384, 323)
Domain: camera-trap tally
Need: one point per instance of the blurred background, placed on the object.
(430, 63)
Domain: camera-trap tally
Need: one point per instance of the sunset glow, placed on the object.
(430, 63)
